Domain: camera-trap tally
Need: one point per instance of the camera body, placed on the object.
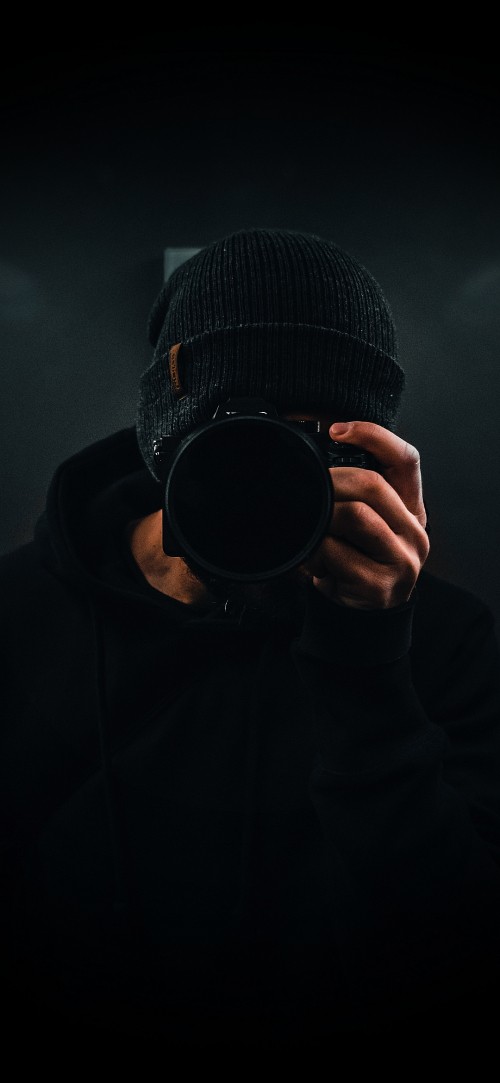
(248, 495)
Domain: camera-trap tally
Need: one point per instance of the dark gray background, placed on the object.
(112, 153)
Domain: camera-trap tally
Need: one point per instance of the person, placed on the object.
(262, 811)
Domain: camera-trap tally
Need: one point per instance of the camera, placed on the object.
(248, 495)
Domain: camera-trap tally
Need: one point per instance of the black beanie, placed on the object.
(281, 315)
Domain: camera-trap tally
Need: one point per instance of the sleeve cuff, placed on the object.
(355, 637)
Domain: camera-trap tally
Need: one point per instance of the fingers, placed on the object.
(377, 544)
(353, 578)
(398, 459)
(367, 507)
(366, 530)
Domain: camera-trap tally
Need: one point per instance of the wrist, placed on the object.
(343, 599)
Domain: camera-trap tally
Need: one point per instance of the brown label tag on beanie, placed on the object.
(174, 360)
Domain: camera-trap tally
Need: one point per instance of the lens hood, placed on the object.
(246, 496)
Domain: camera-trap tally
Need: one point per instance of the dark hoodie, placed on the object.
(218, 825)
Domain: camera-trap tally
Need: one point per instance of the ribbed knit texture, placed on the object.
(277, 314)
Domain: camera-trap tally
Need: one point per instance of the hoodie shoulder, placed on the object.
(453, 630)
(41, 576)
(32, 600)
(20, 571)
(444, 598)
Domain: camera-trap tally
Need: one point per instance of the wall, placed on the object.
(112, 154)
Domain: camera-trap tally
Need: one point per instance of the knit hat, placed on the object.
(275, 314)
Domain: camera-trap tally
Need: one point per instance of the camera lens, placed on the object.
(248, 497)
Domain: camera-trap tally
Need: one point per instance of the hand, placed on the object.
(376, 543)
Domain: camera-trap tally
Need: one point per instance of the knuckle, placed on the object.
(396, 585)
(422, 543)
(409, 561)
(409, 574)
(413, 574)
(362, 513)
(411, 455)
(374, 482)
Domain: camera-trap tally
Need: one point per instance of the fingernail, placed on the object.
(340, 427)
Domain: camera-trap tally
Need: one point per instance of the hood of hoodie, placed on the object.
(134, 646)
(92, 499)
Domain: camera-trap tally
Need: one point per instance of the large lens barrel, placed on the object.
(246, 498)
